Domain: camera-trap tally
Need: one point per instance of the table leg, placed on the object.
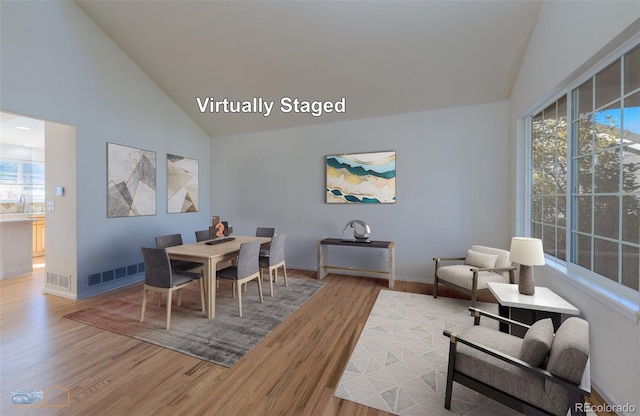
(210, 273)
(503, 311)
(322, 261)
(392, 267)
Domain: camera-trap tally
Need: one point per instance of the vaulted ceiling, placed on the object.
(383, 57)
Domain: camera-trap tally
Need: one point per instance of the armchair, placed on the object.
(542, 373)
(481, 265)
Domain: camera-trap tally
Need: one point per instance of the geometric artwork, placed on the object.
(368, 178)
(131, 181)
(182, 184)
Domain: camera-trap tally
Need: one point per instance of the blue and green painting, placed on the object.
(361, 178)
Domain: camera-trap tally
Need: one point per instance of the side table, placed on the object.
(544, 303)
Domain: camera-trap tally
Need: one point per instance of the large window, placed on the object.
(603, 173)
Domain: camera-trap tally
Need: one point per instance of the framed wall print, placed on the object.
(182, 184)
(361, 178)
(131, 181)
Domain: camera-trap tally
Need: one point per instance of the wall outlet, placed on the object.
(51, 206)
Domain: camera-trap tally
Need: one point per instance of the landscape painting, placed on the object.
(131, 181)
(361, 178)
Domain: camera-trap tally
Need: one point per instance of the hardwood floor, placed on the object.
(294, 371)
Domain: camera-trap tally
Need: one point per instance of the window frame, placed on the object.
(615, 294)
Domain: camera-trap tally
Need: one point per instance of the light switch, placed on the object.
(51, 206)
(59, 190)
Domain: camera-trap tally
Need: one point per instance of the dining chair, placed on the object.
(274, 259)
(203, 235)
(265, 232)
(246, 269)
(159, 277)
(172, 240)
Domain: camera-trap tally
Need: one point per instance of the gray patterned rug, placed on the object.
(399, 364)
(222, 340)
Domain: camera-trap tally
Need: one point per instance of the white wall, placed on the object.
(568, 37)
(58, 65)
(451, 185)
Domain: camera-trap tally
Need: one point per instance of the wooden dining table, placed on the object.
(210, 256)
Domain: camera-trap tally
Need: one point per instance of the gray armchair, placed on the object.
(481, 265)
(541, 374)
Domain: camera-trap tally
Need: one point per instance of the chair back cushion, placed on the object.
(203, 235)
(537, 341)
(265, 232)
(570, 350)
(170, 240)
(157, 268)
(248, 259)
(481, 260)
(503, 255)
(276, 250)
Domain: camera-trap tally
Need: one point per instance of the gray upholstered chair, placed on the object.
(543, 373)
(265, 232)
(273, 259)
(203, 235)
(246, 269)
(160, 278)
(171, 240)
(481, 265)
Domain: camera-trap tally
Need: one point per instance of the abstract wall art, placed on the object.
(131, 181)
(182, 184)
(361, 178)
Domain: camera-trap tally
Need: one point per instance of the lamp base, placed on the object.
(526, 285)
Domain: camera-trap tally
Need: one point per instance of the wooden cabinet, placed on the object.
(38, 237)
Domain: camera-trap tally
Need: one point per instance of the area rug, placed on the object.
(399, 364)
(222, 340)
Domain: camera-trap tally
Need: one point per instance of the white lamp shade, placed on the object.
(527, 251)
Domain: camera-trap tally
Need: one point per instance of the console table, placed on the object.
(323, 256)
(544, 303)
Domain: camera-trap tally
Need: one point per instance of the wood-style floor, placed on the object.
(293, 371)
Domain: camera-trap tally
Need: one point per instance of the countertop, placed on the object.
(21, 217)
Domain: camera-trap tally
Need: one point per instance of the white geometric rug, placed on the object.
(399, 364)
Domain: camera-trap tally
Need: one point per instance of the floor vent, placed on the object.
(59, 280)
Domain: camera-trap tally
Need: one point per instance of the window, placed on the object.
(21, 185)
(603, 173)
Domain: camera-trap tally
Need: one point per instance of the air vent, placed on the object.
(59, 281)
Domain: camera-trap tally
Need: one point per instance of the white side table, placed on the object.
(544, 303)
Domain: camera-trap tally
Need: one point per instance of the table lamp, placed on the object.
(528, 253)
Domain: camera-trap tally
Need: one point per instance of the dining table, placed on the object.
(210, 255)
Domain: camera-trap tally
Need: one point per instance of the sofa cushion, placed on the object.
(537, 341)
(461, 275)
(481, 260)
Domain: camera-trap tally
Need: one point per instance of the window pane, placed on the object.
(631, 169)
(549, 210)
(584, 97)
(630, 266)
(33, 172)
(536, 230)
(562, 210)
(549, 240)
(583, 214)
(631, 73)
(8, 172)
(608, 84)
(548, 181)
(630, 218)
(607, 216)
(585, 132)
(605, 258)
(607, 171)
(536, 208)
(582, 248)
(562, 244)
(607, 123)
(631, 118)
(585, 170)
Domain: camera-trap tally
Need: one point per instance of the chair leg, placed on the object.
(270, 283)
(284, 271)
(169, 293)
(239, 294)
(450, 370)
(144, 303)
(260, 288)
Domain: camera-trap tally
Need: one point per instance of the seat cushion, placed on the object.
(536, 343)
(497, 373)
(482, 260)
(461, 275)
